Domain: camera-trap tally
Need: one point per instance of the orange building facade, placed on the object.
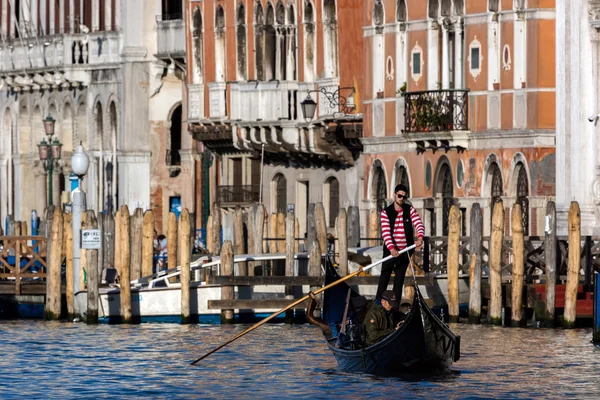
(459, 104)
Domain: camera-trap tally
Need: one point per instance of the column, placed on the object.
(95, 16)
(458, 55)
(107, 16)
(41, 188)
(492, 54)
(401, 65)
(445, 60)
(34, 27)
(51, 25)
(4, 190)
(72, 16)
(61, 16)
(432, 64)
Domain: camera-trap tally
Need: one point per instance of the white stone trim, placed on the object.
(417, 49)
(504, 91)
(475, 44)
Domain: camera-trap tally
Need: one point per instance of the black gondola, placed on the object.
(423, 343)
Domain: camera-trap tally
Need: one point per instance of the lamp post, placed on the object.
(337, 103)
(79, 164)
(49, 152)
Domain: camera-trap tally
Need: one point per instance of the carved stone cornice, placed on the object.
(594, 14)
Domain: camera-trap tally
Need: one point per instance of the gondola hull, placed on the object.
(423, 343)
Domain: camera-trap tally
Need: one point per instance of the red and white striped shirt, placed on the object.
(399, 236)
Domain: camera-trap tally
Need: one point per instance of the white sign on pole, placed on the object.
(91, 239)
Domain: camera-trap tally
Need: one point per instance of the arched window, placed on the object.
(497, 189)
(433, 9)
(220, 45)
(309, 42)
(401, 11)
(171, 9)
(197, 44)
(280, 40)
(99, 124)
(445, 187)
(446, 8)
(280, 186)
(378, 14)
(173, 156)
(241, 43)
(379, 187)
(270, 44)
(331, 196)
(259, 42)
(290, 45)
(402, 178)
(523, 196)
(493, 5)
(330, 46)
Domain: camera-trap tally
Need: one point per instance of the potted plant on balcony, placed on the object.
(402, 89)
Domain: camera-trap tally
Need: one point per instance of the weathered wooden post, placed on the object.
(265, 244)
(259, 226)
(52, 310)
(281, 232)
(321, 226)
(518, 266)
(184, 257)
(125, 248)
(311, 230)
(69, 283)
(342, 235)
(290, 243)
(495, 308)
(251, 235)
(353, 226)
(137, 237)
(314, 267)
(92, 272)
(83, 263)
(373, 227)
(108, 241)
(573, 267)
(118, 259)
(227, 292)
(172, 241)
(148, 243)
(453, 249)
(550, 259)
(475, 266)
(240, 248)
(272, 243)
(216, 228)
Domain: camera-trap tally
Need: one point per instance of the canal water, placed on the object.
(73, 360)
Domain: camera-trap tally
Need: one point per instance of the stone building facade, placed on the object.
(250, 66)
(460, 105)
(110, 73)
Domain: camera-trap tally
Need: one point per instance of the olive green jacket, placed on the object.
(378, 324)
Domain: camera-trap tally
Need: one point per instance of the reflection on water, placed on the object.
(52, 359)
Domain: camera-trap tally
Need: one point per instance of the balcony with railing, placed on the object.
(230, 196)
(436, 111)
(170, 31)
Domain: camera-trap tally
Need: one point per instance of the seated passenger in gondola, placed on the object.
(379, 321)
(402, 313)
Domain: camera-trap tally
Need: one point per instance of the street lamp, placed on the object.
(79, 164)
(331, 95)
(49, 152)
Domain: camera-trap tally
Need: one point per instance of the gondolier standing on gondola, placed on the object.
(399, 221)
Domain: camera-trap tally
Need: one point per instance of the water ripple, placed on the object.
(65, 360)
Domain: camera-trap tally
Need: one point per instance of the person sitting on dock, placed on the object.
(379, 321)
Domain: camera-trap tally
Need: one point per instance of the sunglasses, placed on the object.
(401, 196)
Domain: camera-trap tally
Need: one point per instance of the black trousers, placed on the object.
(398, 265)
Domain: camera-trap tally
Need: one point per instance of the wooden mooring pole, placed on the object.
(289, 259)
(125, 263)
(70, 285)
(518, 267)
(550, 258)
(148, 243)
(53, 301)
(475, 266)
(184, 256)
(227, 292)
(573, 267)
(240, 246)
(495, 306)
(453, 249)
(342, 235)
(92, 273)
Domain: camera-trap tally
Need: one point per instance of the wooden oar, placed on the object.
(295, 303)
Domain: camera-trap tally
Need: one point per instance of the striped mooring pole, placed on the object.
(596, 337)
